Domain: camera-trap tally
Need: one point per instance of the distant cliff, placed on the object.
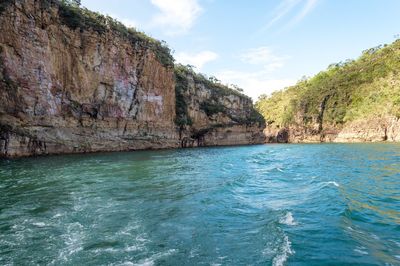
(213, 114)
(354, 101)
(73, 81)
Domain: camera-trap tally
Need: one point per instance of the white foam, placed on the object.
(133, 248)
(150, 261)
(57, 215)
(397, 243)
(193, 253)
(280, 170)
(73, 241)
(361, 250)
(374, 236)
(331, 183)
(288, 219)
(127, 263)
(40, 224)
(284, 254)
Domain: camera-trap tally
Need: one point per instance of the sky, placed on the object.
(260, 45)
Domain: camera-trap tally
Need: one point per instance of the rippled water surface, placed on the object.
(259, 205)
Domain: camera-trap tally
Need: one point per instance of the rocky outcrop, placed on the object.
(372, 130)
(209, 113)
(377, 129)
(85, 84)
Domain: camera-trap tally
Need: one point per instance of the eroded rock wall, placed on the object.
(71, 85)
(214, 115)
(73, 90)
(376, 129)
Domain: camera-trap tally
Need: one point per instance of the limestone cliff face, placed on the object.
(374, 129)
(65, 90)
(67, 87)
(212, 114)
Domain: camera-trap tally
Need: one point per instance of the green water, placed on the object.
(330, 204)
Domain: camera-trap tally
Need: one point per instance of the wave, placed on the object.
(39, 224)
(288, 219)
(331, 183)
(151, 260)
(285, 252)
(361, 250)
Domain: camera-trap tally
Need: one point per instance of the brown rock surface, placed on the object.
(72, 90)
(217, 116)
(369, 130)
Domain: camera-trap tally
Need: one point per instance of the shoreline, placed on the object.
(13, 158)
(5, 158)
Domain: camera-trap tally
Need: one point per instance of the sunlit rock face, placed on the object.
(370, 130)
(73, 90)
(66, 90)
(217, 116)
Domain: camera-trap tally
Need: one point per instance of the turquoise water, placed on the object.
(330, 204)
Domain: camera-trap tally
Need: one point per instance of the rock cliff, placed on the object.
(74, 81)
(209, 113)
(374, 129)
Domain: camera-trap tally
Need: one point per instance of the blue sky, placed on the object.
(260, 45)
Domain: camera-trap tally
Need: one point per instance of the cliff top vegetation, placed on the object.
(74, 16)
(214, 104)
(210, 82)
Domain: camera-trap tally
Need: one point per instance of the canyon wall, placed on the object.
(74, 81)
(374, 129)
(210, 113)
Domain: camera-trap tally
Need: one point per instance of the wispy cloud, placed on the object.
(307, 8)
(263, 56)
(286, 8)
(282, 10)
(126, 21)
(198, 59)
(176, 16)
(258, 82)
(254, 83)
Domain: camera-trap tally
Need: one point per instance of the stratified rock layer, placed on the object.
(213, 114)
(73, 90)
(377, 129)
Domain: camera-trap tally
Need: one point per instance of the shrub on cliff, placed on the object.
(217, 87)
(76, 17)
(181, 85)
(213, 105)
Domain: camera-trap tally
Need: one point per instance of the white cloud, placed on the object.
(263, 56)
(176, 16)
(126, 21)
(198, 60)
(254, 83)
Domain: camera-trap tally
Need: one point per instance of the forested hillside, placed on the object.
(355, 90)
